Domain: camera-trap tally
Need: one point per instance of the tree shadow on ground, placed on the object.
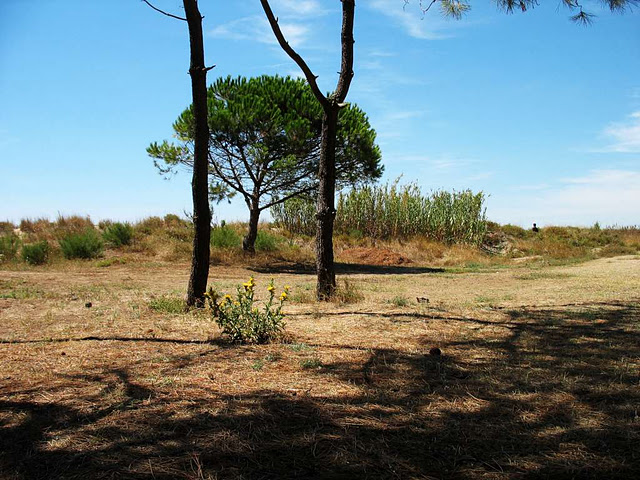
(343, 269)
(555, 396)
(118, 338)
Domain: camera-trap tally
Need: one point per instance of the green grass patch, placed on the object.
(23, 293)
(311, 363)
(167, 304)
(400, 301)
(108, 262)
(299, 347)
(544, 276)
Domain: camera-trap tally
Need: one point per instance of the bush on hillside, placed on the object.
(36, 253)
(266, 242)
(118, 234)
(9, 245)
(6, 227)
(225, 236)
(87, 244)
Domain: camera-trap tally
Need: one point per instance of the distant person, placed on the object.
(535, 228)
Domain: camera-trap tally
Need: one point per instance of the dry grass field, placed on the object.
(538, 375)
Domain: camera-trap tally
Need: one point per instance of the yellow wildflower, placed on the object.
(227, 297)
(271, 288)
(283, 296)
(249, 285)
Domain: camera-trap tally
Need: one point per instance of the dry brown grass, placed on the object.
(538, 376)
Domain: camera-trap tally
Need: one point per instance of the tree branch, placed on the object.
(311, 78)
(347, 41)
(165, 13)
(237, 187)
(427, 8)
(284, 199)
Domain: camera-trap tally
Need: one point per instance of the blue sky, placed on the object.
(541, 114)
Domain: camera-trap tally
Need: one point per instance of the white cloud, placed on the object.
(606, 196)
(429, 26)
(382, 53)
(297, 8)
(625, 136)
(450, 163)
(257, 28)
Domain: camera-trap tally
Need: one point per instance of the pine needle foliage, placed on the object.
(265, 141)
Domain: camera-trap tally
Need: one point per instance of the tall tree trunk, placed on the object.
(326, 211)
(327, 169)
(249, 241)
(200, 181)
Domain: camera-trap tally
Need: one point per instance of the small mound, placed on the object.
(373, 256)
(497, 243)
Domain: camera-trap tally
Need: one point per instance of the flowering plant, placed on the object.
(244, 322)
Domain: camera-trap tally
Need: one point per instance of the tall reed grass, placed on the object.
(395, 211)
(297, 215)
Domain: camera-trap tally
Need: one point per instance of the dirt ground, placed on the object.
(538, 375)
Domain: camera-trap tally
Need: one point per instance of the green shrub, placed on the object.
(225, 237)
(401, 301)
(266, 242)
(87, 244)
(9, 245)
(243, 322)
(118, 234)
(36, 253)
